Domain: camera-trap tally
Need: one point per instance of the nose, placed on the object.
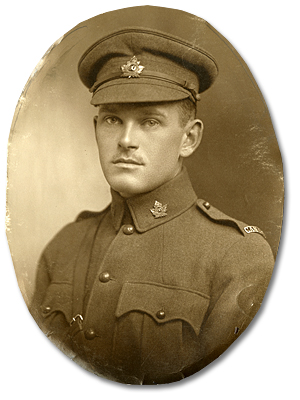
(129, 136)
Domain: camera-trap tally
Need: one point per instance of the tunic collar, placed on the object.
(176, 195)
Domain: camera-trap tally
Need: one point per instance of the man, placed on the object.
(160, 283)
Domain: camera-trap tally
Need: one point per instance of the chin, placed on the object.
(127, 187)
(129, 184)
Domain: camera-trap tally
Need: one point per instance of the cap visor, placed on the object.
(137, 90)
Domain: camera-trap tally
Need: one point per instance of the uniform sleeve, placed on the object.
(238, 288)
(41, 284)
(52, 265)
(51, 305)
(54, 324)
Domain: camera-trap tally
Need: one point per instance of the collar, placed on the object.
(176, 196)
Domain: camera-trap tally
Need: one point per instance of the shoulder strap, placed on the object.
(219, 217)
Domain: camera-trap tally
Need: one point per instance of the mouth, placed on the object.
(129, 161)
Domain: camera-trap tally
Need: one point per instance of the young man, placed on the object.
(160, 283)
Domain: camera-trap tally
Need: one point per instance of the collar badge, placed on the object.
(132, 68)
(159, 210)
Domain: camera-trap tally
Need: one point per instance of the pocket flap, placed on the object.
(58, 298)
(164, 303)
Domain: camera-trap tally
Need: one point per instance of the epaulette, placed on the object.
(90, 214)
(219, 217)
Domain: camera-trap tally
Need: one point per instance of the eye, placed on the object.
(112, 120)
(151, 123)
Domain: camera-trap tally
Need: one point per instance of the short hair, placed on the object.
(187, 111)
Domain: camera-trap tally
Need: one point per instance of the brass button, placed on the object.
(160, 314)
(206, 205)
(104, 277)
(128, 229)
(89, 334)
(46, 309)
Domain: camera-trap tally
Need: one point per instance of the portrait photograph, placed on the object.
(146, 199)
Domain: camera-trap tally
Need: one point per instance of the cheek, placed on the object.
(104, 150)
(105, 141)
(170, 148)
(164, 157)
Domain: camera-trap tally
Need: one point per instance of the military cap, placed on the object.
(145, 65)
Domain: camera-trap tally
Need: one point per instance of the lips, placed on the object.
(124, 160)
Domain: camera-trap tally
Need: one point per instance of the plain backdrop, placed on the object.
(264, 362)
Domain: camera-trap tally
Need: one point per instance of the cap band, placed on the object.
(152, 75)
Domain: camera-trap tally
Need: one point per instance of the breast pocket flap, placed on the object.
(163, 303)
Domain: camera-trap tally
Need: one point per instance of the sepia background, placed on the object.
(53, 166)
(263, 362)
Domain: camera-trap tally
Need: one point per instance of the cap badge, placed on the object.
(132, 68)
(159, 210)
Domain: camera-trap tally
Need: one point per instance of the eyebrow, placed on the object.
(153, 111)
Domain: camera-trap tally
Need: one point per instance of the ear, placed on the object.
(192, 137)
(95, 122)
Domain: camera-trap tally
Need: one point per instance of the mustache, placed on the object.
(120, 158)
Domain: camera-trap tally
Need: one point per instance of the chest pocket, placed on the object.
(58, 300)
(163, 303)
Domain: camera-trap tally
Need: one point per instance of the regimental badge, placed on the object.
(159, 210)
(132, 68)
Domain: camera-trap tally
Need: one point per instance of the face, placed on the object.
(141, 146)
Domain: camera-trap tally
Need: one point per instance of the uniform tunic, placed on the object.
(147, 297)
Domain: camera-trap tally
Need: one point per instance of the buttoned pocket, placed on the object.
(58, 298)
(163, 303)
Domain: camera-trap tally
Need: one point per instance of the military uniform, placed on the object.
(154, 297)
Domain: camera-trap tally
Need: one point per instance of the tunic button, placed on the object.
(90, 334)
(46, 309)
(104, 277)
(160, 314)
(206, 205)
(128, 229)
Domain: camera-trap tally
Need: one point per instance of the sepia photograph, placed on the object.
(145, 197)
